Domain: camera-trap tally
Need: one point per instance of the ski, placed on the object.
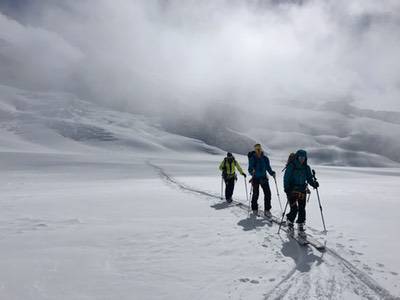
(315, 243)
(302, 241)
(310, 240)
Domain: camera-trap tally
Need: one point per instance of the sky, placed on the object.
(146, 55)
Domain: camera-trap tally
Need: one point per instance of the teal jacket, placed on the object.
(297, 175)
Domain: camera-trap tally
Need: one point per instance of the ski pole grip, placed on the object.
(313, 173)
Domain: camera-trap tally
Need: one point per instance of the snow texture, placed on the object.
(100, 204)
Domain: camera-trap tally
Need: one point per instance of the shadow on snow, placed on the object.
(303, 257)
(253, 222)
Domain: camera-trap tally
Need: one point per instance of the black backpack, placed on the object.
(224, 173)
(290, 160)
(250, 154)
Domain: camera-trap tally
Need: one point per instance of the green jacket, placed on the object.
(228, 167)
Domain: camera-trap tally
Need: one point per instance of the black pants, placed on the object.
(229, 187)
(297, 201)
(256, 182)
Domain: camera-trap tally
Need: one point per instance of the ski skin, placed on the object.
(297, 238)
(309, 240)
(304, 242)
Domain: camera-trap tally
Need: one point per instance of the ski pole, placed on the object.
(245, 186)
(222, 186)
(283, 215)
(251, 195)
(319, 202)
(277, 193)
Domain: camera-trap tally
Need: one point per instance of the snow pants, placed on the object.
(229, 187)
(256, 182)
(297, 202)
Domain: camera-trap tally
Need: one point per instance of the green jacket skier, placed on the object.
(228, 167)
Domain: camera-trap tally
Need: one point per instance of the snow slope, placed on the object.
(335, 133)
(87, 212)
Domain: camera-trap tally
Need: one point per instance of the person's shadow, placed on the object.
(221, 205)
(253, 222)
(303, 256)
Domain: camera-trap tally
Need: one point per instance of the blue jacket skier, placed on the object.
(297, 176)
(259, 165)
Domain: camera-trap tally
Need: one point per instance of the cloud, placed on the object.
(139, 54)
(35, 58)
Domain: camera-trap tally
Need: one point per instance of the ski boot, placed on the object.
(302, 230)
(267, 214)
(290, 228)
(229, 200)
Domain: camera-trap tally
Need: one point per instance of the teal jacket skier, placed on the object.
(297, 176)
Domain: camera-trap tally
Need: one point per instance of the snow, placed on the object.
(88, 213)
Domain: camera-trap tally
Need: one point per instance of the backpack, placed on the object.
(250, 154)
(224, 168)
(290, 160)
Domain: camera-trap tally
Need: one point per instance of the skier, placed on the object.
(227, 167)
(259, 165)
(297, 176)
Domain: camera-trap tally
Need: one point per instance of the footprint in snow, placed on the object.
(254, 281)
(41, 225)
(380, 265)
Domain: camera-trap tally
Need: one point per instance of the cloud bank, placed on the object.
(139, 55)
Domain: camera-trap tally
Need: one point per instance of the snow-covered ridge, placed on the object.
(59, 122)
(335, 133)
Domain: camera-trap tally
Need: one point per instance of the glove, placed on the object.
(244, 175)
(316, 185)
(273, 174)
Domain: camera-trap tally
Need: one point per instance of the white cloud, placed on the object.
(144, 53)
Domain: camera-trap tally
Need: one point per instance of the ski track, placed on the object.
(298, 282)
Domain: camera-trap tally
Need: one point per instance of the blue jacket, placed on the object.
(259, 166)
(298, 175)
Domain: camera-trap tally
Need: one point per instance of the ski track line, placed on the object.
(169, 179)
(360, 275)
(287, 279)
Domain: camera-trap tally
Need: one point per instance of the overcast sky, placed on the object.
(144, 54)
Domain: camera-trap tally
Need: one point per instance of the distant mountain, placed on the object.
(335, 133)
